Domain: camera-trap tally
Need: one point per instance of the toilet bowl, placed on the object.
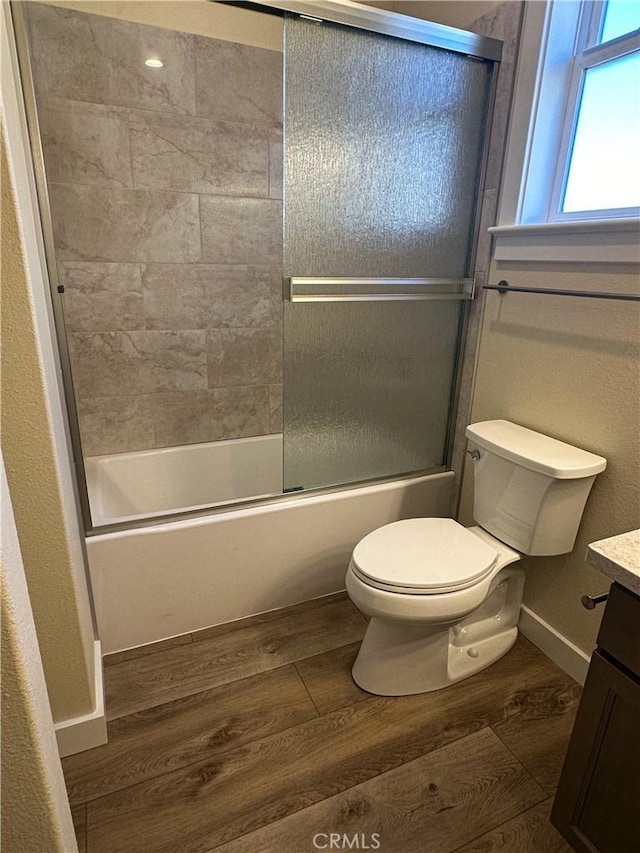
(426, 636)
(443, 599)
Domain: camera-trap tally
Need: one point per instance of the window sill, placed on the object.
(594, 241)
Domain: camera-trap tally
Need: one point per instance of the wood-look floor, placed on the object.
(254, 739)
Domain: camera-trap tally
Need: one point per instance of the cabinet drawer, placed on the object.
(620, 630)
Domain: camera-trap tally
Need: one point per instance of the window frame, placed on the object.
(524, 231)
(588, 53)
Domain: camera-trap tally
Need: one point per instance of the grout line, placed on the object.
(166, 191)
(57, 103)
(129, 132)
(275, 268)
(200, 226)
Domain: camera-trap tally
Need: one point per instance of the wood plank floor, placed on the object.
(255, 739)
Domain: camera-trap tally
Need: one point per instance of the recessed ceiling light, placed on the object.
(154, 63)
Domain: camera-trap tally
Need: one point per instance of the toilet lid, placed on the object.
(423, 555)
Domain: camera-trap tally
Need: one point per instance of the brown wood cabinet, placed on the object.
(597, 804)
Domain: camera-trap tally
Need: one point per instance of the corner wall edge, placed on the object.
(554, 645)
(80, 733)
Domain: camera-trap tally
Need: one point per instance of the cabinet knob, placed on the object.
(590, 601)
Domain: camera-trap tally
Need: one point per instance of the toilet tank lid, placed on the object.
(535, 451)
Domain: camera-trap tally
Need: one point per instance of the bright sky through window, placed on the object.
(620, 17)
(605, 164)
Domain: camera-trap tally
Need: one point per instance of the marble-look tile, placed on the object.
(222, 413)
(241, 230)
(238, 82)
(101, 297)
(87, 57)
(244, 357)
(85, 143)
(111, 364)
(275, 408)
(487, 219)
(115, 424)
(199, 155)
(100, 224)
(276, 167)
(467, 381)
(502, 23)
(208, 296)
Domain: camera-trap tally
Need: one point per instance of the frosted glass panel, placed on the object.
(605, 171)
(367, 389)
(383, 152)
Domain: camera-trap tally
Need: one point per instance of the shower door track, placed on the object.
(380, 21)
(254, 503)
(332, 11)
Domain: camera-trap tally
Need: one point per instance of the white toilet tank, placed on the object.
(530, 490)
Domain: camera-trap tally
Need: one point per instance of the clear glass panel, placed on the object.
(165, 190)
(383, 150)
(620, 17)
(604, 171)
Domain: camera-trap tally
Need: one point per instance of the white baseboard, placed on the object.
(80, 733)
(561, 650)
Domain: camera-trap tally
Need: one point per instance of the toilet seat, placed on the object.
(422, 556)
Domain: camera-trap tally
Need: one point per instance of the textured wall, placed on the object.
(565, 367)
(452, 13)
(35, 813)
(165, 187)
(568, 368)
(33, 480)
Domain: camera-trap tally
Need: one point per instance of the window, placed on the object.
(572, 166)
(599, 168)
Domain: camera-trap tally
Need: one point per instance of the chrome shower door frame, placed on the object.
(333, 11)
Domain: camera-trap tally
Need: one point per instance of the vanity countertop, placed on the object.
(618, 557)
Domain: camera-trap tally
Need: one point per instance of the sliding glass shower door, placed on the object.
(160, 177)
(384, 143)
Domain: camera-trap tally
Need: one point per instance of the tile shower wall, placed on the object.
(165, 189)
(504, 23)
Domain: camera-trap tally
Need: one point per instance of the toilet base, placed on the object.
(400, 658)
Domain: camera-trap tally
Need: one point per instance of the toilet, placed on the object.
(444, 599)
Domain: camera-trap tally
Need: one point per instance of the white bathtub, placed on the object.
(145, 483)
(155, 582)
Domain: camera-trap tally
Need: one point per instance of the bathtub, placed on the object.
(161, 580)
(146, 483)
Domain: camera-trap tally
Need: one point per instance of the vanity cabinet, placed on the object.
(597, 804)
